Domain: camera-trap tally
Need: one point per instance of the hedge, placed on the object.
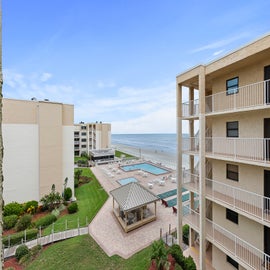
(45, 221)
(16, 238)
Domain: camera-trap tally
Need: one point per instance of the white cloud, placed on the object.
(220, 43)
(45, 76)
(129, 109)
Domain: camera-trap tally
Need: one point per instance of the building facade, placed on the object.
(227, 118)
(91, 136)
(38, 148)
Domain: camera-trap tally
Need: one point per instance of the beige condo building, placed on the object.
(91, 136)
(227, 115)
(38, 148)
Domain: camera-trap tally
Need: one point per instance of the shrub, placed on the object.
(45, 221)
(9, 221)
(67, 194)
(52, 200)
(185, 234)
(73, 208)
(177, 254)
(76, 183)
(21, 251)
(23, 223)
(13, 208)
(30, 207)
(16, 238)
(189, 263)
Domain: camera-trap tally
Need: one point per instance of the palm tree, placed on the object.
(1, 145)
(160, 255)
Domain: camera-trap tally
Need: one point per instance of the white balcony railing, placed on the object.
(190, 108)
(256, 95)
(248, 255)
(251, 203)
(248, 96)
(190, 144)
(190, 181)
(251, 149)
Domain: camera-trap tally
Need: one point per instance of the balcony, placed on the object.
(243, 252)
(248, 203)
(190, 109)
(250, 97)
(247, 150)
(190, 145)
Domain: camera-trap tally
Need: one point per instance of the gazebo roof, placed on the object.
(132, 196)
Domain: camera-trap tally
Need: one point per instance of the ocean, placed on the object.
(161, 148)
(157, 142)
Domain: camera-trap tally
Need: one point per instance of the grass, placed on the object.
(82, 253)
(80, 158)
(119, 153)
(90, 198)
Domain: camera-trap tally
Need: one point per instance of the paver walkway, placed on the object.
(106, 230)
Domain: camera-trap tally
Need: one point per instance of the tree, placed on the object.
(52, 200)
(1, 146)
(160, 255)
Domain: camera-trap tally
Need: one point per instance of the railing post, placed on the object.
(262, 207)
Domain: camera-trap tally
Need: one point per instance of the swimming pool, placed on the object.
(128, 180)
(147, 167)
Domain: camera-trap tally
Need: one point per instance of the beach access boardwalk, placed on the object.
(105, 228)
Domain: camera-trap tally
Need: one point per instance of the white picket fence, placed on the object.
(48, 239)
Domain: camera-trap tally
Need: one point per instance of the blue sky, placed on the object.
(117, 60)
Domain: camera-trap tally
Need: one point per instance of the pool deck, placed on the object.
(106, 230)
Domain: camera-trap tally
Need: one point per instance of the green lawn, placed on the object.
(119, 153)
(90, 198)
(82, 253)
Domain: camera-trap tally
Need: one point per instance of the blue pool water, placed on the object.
(128, 180)
(144, 167)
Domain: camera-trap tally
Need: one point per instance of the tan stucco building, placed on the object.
(229, 133)
(38, 148)
(91, 136)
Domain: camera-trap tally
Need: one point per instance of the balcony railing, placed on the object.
(244, 252)
(249, 96)
(256, 95)
(251, 203)
(190, 144)
(190, 108)
(190, 181)
(251, 149)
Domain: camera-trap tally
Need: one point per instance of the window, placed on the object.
(232, 216)
(83, 127)
(232, 262)
(232, 86)
(232, 129)
(232, 172)
(83, 140)
(83, 134)
(83, 146)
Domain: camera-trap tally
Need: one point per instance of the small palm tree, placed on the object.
(160, 255)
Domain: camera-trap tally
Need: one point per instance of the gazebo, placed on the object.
(136, 205)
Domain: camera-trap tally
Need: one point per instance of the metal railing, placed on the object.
(249, 202)
(252, 149)
(248, 96)
(190, 144)
(190, 108)
(245, 97)
(245, 253)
